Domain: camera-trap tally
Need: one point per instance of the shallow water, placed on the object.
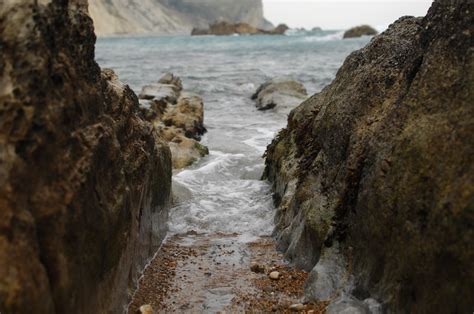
(223, 192)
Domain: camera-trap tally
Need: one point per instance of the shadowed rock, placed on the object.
(380, 164)
(84, 181)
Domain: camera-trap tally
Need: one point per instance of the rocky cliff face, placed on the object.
(171, 16)
(373, 177)
(84, 182)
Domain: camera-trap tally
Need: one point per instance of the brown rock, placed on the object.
(381, 164)
(84, 181)
(359, 31)
(279, 92)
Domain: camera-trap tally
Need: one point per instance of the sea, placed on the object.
(223, 192)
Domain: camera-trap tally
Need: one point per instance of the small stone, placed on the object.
(257, 268)
(274, 275)
(297, 307)
(146, 309)
(311, 312)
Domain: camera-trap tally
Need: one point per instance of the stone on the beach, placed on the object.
(258, 268)
(297, 307)
(274, 275)
(281, 92)
(146, 309)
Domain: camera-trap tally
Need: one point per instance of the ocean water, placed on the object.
(223, 192)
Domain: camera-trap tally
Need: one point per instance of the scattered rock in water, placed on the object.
(224, 28)
(146, 309)
(359, 31)
(171, 79)
(178, 116)
(298, 307)
(274, 275)
(279, 92)
(258, 268)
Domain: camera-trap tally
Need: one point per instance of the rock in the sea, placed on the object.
(224, 28)
(281, 92)
(381, 163)
(178, 117)
(274, 275)
(359, 31)
(280, 29)
(171, 79)
(84, 181)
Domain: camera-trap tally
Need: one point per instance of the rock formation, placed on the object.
(279, 92)
(374, 176)
(359, 31)
(178, 116)
(225, 28)
(84, 181)
(172, 16)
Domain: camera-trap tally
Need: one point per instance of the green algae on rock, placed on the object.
(85, 183)
(380, 165)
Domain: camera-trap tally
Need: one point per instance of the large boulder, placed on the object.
(380, 165)
(84, 181)
(359, 31)
(281, 92)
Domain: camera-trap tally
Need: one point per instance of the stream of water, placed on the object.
(223, 192)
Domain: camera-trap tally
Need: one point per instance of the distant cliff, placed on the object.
(171, 16)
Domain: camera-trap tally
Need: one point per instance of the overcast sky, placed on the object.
(341, 14)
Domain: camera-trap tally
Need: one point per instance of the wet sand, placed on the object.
(196, 273)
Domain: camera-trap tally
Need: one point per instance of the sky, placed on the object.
(341, 14)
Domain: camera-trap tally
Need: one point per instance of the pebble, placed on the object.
(297, 307)
(257, 268)
(274, 275)
(146, 309)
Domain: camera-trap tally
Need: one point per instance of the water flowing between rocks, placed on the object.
(223, 219)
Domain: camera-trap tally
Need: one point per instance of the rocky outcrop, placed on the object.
(178, 117)
(226, 28)
(359, 31)
(172, 16)
(281, 93)
(84, 181)
(373, 177)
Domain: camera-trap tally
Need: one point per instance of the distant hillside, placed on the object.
(171, 16)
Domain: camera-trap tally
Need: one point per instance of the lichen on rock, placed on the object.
(380, 164)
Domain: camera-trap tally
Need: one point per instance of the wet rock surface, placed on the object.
(225, 28)
(282, 93)
(178, 117)
(212, 273)
(380, 166)
(84, 181)
(359, 31)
